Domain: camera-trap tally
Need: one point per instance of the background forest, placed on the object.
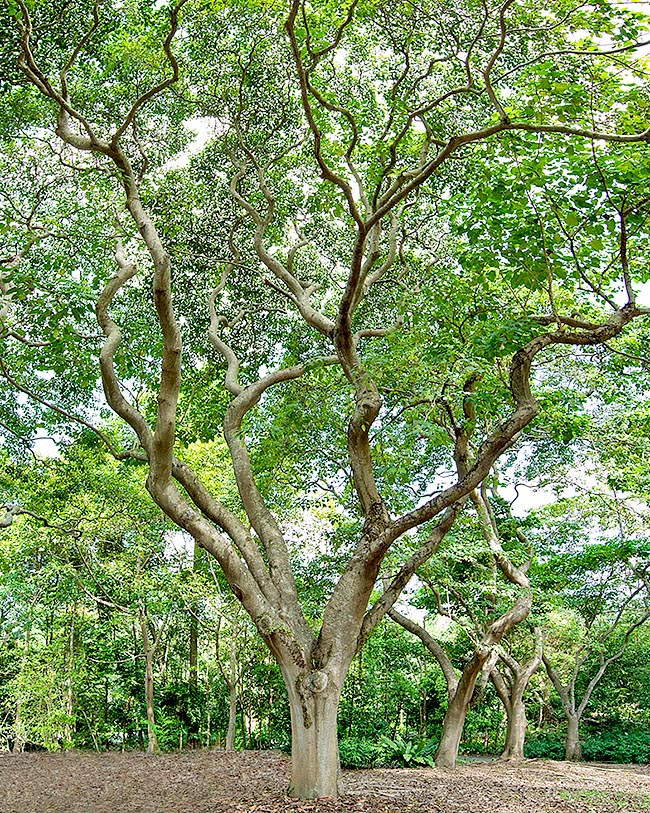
(324, 379)
(99, 595)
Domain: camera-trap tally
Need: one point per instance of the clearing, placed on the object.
(254, 782)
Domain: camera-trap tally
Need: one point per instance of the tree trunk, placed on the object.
(152, 739)
(208, 722)
(19, 738)
(232, 717)
(313, 702)
(194, 635)
(452, 726)
(231, 681)
(573, 747)
(194, 656)
(516, 728)
(19, 729)
(69, 701)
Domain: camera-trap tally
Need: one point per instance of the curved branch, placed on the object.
(434, 648)
(526, 408)
(256, 509)
(161, 86)
(113, 334)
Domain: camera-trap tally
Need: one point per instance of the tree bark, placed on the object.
(232, 717)
(511, 693)
(516, 728)
(194, 636)
(152, 739)
(573, 746)
(454, 721)
(194, 660)
(315, 767)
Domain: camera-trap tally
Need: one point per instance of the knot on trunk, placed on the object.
(265, 623)
(376, 520)
(316, 682)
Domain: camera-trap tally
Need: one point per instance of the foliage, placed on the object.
(356, 752)
(398, 751)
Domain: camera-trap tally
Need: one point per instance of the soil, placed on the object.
(254, 782)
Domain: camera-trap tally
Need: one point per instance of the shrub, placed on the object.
(617, 745)
(358, 753)
(544, 747)
(399, 751)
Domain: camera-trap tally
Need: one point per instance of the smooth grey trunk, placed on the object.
(152, 739)
(194, 655)
(231, 680)
(516, 729)
(573, 746)
(232, 717)
(208, 722)
(511, 687)
(454, 721)
(315, 767)
(194, 635)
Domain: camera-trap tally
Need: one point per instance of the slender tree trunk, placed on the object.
(19, 737)
(152, 739)
(231, 681)
(194, 652)
(315, 768)
(69, 704)
(194, 636)
(573, 746)
(452, 726)
(208, 722)
(232, 717)
(513, 699)
(19, 730)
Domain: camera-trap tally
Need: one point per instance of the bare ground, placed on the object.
(253, 782)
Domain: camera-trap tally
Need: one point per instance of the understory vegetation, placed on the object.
(91, 557)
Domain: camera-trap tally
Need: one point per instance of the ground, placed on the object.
(254, 782)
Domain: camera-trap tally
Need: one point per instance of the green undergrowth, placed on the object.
(387, 752)
(614, 745)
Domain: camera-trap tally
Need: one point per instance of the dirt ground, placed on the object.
(253, 782)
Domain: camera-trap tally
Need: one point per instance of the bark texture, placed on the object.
(510, 687)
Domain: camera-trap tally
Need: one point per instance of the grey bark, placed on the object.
(510, 690)
(152, 738)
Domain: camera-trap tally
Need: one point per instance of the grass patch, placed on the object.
(623, 802)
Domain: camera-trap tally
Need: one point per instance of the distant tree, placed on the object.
(469, 596)
(596, 597)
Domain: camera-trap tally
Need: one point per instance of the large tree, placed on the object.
(382, 239)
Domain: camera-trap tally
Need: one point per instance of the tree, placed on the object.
(595, 587)
(596, 640)
(473, 603)
(510, 685)
(342, 133)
